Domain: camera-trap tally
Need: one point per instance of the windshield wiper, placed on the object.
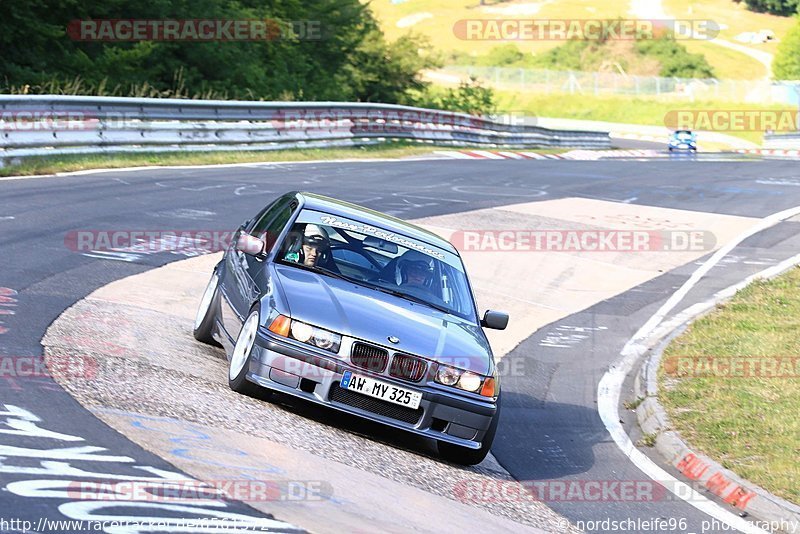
(412, 298)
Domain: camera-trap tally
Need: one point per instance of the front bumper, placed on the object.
(300, 372)
(683, 146)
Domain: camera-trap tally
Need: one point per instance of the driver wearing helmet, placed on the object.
(415, 271)
(314, 245)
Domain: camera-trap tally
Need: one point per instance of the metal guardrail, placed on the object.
(782, 140)
(41, 125)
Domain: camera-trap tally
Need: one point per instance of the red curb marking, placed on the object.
(718, 484)
(692, 466)
(474, 155)
(739, 497)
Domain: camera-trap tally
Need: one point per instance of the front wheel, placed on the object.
(464, 456)
(207, 313)
(240, 359)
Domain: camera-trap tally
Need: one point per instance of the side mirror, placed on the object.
(250, 244)
(496, 320)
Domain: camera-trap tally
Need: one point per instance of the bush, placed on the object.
(787, 60)
(775, 7)
(675, 59)
(568, 56)
(469, 97)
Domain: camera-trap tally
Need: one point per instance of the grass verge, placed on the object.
(397, 150)
(53, 164)
(649, 112)
(749, 424)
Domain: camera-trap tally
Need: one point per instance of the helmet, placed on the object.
(316, 236)
(413, 262)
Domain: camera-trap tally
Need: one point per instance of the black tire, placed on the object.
(204, 326)
(239, 383)
(464, 456)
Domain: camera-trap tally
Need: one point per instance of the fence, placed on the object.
(47, 125)
(609, 83)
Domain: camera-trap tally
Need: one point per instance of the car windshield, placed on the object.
(380, 259)
(684, 134)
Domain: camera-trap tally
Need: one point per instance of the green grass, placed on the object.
(439, 27)
(727, 63)
(735, 16)
(735, 19)
(749, 425)
(53, 164)
(648, 112)
(399, 149)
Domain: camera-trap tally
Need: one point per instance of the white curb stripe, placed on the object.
(511, 155)
(532, 155)
(486, 154)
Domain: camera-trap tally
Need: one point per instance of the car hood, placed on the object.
(371, 315)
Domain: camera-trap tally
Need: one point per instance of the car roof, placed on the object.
(375, 218)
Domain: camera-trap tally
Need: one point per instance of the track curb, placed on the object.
(744, 495)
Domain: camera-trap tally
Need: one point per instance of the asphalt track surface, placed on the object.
(549, 429)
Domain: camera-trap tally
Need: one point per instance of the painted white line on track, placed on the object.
(610, 386)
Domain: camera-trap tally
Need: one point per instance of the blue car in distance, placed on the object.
(683, 140)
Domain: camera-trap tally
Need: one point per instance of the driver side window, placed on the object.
(269, 226)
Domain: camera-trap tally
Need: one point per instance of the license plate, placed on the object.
(381, 390)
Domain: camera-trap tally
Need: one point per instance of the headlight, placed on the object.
(448, 375)
(318, 337)
(469, 381)
(302, 331)
(472, 382)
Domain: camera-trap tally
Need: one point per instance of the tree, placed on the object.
(351, 61)
(776, 7)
